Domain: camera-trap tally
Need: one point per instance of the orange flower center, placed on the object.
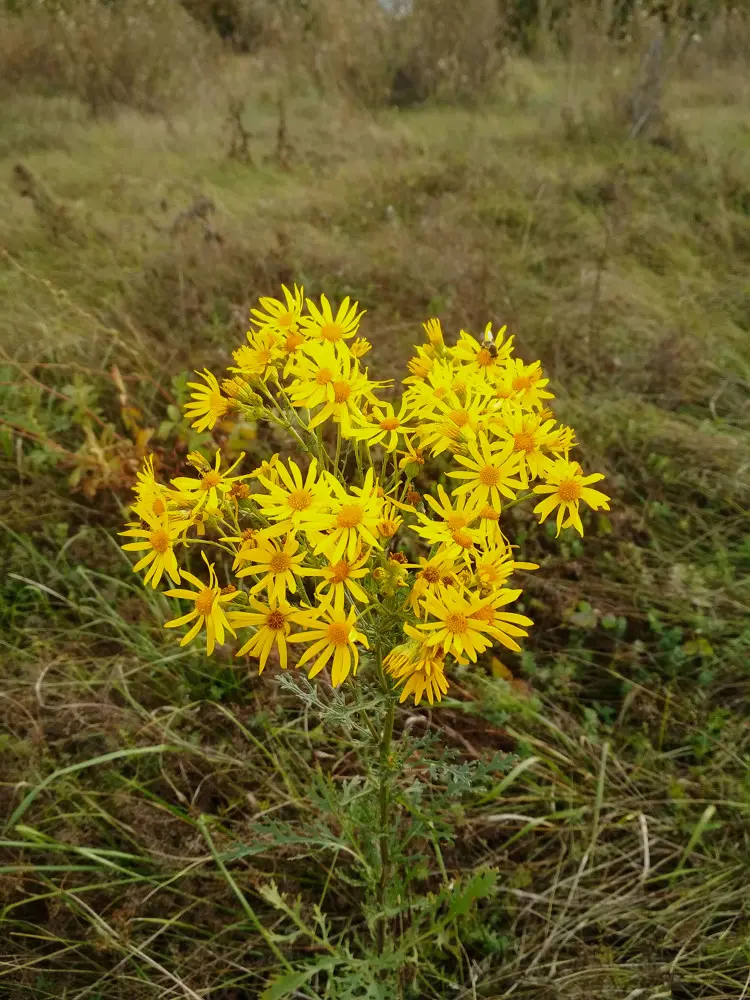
(503, 392)
(390, 423)
(521, 382)
(341, 392)
(430, 574)
(331, 332)
(456, 623)
(248, 535)
(489, 475)
(489, 513)
(523, 441)
(447, 580)
(204, 602)
(279, 562)
(349, 516)
(159, 540)
(569, 490)
(285, 319)
(459, 417)
(292, 342)
(484, 358)
(340, 571)
(275, 621)
(300, 499)
(485, 614)
(159, 506)
(324, 376)
(338, 633)
(462, 539)
(455, 522)
(210, 480)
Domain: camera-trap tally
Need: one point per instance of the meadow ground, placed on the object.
(177, 827)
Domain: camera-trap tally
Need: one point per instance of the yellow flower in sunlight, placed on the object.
(420, 668)
(528, 435)
(502, 625)
(561, 440)
(293, 502)
(210, 488)
(457, 515)
(208, 608)
(568, 486)
(457, 421)
(483, 356)
(433, 577)
(258, 356)
(343, 397)
(455, 629)
(488, 472)
(277, 566)
(277, 317)
(314, 369)
(488, 528)
(528, 383)
(352, 522)
(340, 578)
(321, 324)
(494, 564)
(419, 366)
(334, 637)
(246, 541)
(272, 623)
(156, 540)
(151, 496)
(384, 426)
(207, 403)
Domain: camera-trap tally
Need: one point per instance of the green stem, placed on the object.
(338, 451)
(384, 800)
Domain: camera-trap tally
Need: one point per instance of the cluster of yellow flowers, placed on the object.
(328, 549)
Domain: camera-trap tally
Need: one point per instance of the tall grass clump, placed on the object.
(133, 53)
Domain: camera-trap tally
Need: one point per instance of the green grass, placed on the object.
(179, 827)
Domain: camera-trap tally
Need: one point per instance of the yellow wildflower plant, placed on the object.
(375, 535)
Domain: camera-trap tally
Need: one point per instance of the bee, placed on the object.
(489, 343)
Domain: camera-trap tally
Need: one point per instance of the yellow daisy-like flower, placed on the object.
(486, 355)
(488, 528)
(247, 541)
(314, 370)
(334, 637)
(384, 426)
(560, 441)
(258, 356)
(528, 383)
(278, 567)
(207, 403)
(434, 576)
(268, 469)
(212, 486)
(502, 625)
(458, 421)
(420, 668)
(343, 397)
(457, 515)
(156, 540)
(528, 435)
(340, 578)
(208, 608)
(280, 318)
(419, 366)
(323, 325)
(488, 472)
(567, 487)
(352, 523)
(272, 623)
(151, 496)
(494, 564)
(455, 629)
(293, 502)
